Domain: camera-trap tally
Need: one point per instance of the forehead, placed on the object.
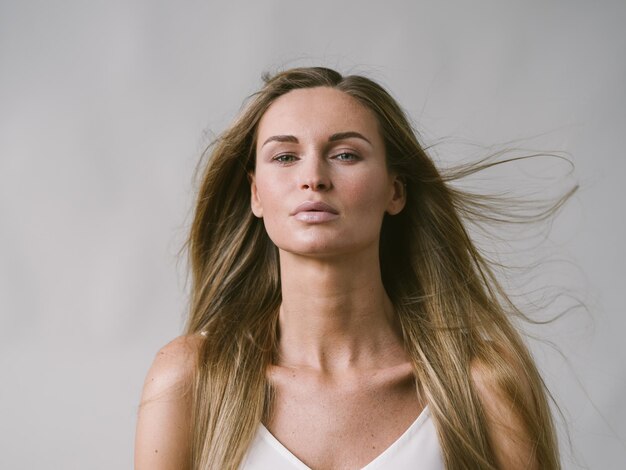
(320, 111)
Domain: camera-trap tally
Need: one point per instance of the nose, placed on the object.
(314, 175)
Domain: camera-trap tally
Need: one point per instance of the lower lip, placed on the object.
(314, 217)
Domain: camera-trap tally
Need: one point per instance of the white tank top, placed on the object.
(418, 447)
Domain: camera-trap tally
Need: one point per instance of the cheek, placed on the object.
(275, 206)
(368, 193)
(267, 188)
(268, 196)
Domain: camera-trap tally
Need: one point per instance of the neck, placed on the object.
(335, 314)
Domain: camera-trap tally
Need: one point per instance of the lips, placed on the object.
(311, 212)
(311, 206)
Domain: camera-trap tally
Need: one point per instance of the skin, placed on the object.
(341, 358)
(340, 354)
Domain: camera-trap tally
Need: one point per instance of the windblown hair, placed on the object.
(451, 307)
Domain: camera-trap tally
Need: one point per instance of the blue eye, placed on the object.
(285, 158)
(346, 157)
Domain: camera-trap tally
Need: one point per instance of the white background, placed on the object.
(105, 107)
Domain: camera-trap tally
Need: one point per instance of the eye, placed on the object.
(285, 158)
(346, 157)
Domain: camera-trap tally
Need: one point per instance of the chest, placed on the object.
(342, 424)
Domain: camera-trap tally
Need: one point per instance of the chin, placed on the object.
(327, 248)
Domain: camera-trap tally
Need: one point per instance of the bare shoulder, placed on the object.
(162, 440)
(503, 397)
(173, 367)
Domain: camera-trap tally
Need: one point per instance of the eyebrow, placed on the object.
(347, 135)
(332, 138)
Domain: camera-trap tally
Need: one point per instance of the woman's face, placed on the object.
(321, 182)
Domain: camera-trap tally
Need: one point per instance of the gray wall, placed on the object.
(105, 107)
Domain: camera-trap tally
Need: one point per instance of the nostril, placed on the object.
(315, 186)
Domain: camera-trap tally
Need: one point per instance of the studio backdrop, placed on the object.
(106, 107)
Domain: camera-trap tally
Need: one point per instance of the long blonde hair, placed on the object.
(452, 309)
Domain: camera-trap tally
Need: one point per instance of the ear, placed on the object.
(398, 196)
(255, 202)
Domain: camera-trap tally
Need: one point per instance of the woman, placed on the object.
(341, 317)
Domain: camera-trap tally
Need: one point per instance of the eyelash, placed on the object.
(280, 158)
(353, 157)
